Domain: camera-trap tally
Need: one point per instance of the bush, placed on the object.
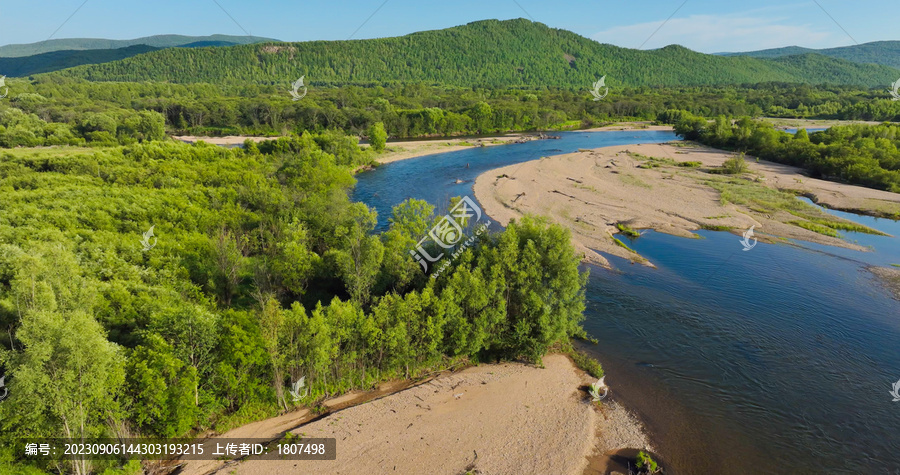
(377, 136)
(735, 166)
(646, 463)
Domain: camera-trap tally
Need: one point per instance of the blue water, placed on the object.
(432, 178)
(775, 360)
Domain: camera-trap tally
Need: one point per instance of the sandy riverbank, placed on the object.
(406, 149)
(229, 140)
(593, 190)
(402, 150)
(813, 123)
(500, 419)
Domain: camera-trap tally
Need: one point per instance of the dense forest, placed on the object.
(865, 155)
(875, 52)
(490, 53)
(57, 111)
(260, 271)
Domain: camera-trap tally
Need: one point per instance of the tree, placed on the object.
(482, 113)
(229, 255)
(359, 258)
(271, 325)
(377, 136)
(66, 379)
(160, 389)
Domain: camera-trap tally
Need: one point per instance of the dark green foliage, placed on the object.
(56, 60)
(533, 55)
(587, 363)
(860, 154)
(262, 272)
(876, 52)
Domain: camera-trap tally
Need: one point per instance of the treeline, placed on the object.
(56, 111)
(865, 155)
(259, 271)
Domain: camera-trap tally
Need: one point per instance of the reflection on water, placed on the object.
(773, 360)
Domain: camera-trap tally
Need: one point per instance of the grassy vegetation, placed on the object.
(626, 230)
(764, 200)
(689, 164)
(733, 166)
(619, 243)
(634, 181)
(586, 363)
(645, 463)
(842, 225)
(817, 228)
(715, 227)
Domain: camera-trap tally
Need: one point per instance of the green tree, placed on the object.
(160, 389)
(65, 380)
(377, 136)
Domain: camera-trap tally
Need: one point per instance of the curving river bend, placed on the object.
(776, 360)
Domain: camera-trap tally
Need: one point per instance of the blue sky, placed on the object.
(702, 25)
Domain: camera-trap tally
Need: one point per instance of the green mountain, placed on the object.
(512, 53)
(158, 41)
(56, 60)
(878, 52)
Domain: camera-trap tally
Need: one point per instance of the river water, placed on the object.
(775, 360)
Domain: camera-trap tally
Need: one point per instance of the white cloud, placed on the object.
(719, 33)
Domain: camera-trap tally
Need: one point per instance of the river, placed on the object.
(775, 360)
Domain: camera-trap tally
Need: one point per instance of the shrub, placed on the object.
(735, 166)
(646, 463)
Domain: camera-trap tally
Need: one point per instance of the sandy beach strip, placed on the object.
(405, 149)
(508, 418)
(592, 190)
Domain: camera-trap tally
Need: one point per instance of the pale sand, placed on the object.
(403, 150)
(628, 126)
(611, 189)
(492, 419)
(227, 140)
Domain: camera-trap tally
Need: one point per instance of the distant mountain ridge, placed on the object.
(489, 53)
(156, 41)
(56, 60)
(886, 53)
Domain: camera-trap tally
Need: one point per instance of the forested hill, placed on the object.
(876, 52)
(484, 53)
